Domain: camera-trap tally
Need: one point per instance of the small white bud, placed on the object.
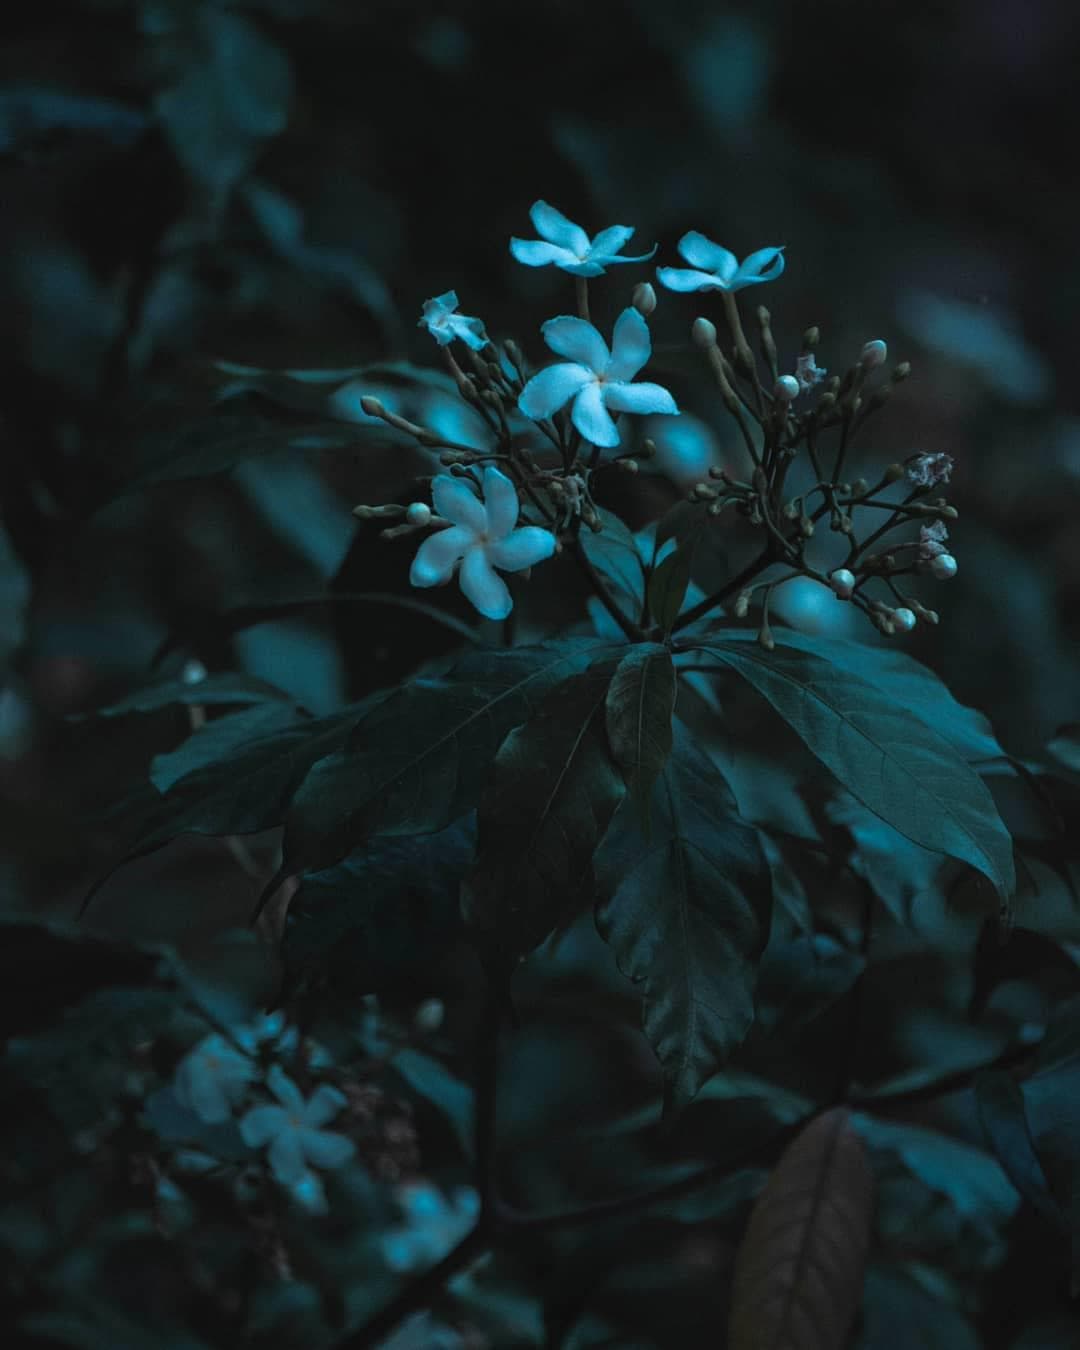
(786, 388)
(843, 583)
(644, 300)
(429, 1015)
(873, 354)
(943, 566)
(904, 619)
(194, 672)
(704, 332)
(419, 513)
(372, 406)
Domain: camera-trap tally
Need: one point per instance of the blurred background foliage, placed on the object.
(278, 184)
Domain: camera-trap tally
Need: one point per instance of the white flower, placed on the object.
(928, 470)
(444, 325)
(296, 1141)
(212, 1078)
(932, 540)
(843, 583)
(904, 619)
(481, 537)
(568, 246)
(944, 566)
(596, 379)
(717, 268)
(808, 372)
(787, 387)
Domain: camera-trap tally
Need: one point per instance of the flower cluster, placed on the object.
(430, 1225)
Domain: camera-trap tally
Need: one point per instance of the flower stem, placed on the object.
(581, 289)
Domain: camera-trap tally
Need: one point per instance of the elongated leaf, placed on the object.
(686, 912)
(216, 691)
(799, 1270)
(896, 765)
(1001, 1113)
(668, 584)
(419, 759)
(640, 705)
(552, 794)
(614, 554)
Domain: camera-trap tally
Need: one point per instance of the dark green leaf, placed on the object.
(552, 793)
(1001, 1111)
(1064, 746)
(640, 705)
(668, 583)
(687, 914)
(614, 554)
(895, 764)
(215, 691)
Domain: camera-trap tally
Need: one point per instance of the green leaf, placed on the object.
(552, 794)
(899, 1314)
(1064, 746)
(1001, 1113)
(687, 913)
(216, 691)
(900, 768)
(668, 584)
(419, 759)
(614, 553)
(430, 1079)
(640, 706)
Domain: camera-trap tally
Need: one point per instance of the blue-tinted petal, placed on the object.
(709, 257)
(592, 419)
(764, 265)
(308, 1192)
(524, 548)
(500, 503)
(535, 253)
(284, 1089)
(577, 340)
(607, 259)
(261, 1124)
(551, 389)
(201, 1092)
(438, 555)
(680, 279)
(470, 331)
(322, 1148)
(286, 1156)
(397, 1250)
(610, 241)
(457, 502)
(324, 1104)
(586, 268)
(482, 586)
(638, 398)
(553, 226)
(440, 304)
(420, 1201)
(631, 345)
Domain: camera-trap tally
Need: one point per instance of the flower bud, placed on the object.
(904, 620)
(704, 332)
(627, 465)
(843, 583)
(811, 338)
(742, 604)
(647, 449)
(513, 352)
(943, 566)
(894, 473)
(429, 1015)
(194, 672)
(644, 300)
(786, 388)
(372, 406)
(419, 513)
(902, 371)
(873, 354)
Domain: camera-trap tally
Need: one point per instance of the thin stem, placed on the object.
(736, 584)
(581, 289)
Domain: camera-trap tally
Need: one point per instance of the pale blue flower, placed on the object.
(432, 1225)
(444, 325)
(212, 1078)
(297, 1143)
(568, 246)
(598, 381)
(717, 269)
(482, 536)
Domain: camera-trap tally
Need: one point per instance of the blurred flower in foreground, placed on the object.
(212, 1078)
(431, 1226)
(568, 246)
(444, 325)
(686, 448)
(598, 380)
(717, 268)
(811, 608)
(482, 536)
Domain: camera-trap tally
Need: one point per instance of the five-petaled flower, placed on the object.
(598, 380)
(568, 246)
(481, 537)
(213, 1077)
(444, 325)
(717, 269)
(295, 1137)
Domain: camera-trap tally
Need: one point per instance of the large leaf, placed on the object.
(552, 794)
(419, 759)
(686, 911)
(614, 553)
(669, 582)
(799, 1271)
(899, 767)
(640, 705)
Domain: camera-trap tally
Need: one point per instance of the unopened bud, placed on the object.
(742, 604)
(647, 449)
(827, 400)
(927, 615)
(627, 465)
(843, 583)
(513, 352)
(644, 300)
(873, 354)
(372, 406)
(704, 332)
(786, 388)
(703, 492)
(193, 672)
(418, 513)
(894, 473)
(860, 487)
(902, 371)
(811, 338)
(766, 638)
(943, 567)
(429, 1015)
(806, 527)
(904, 619)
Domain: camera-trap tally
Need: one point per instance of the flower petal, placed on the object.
(308, 1192)
(536, 253)
(765, 264)
(483, 587)
(284, 1089)
(709, 257)
(324, 1104)
(680, 279)
(323, 1148)
(200, 1091)
(438, 555)
(591, 417)
(440, 304)
(523, 548)
(631, 345)
(261, 1124)
(583, 269)
(577, 340)
(470, 331)
(610, 241)
(607, 259)
(553, 226)
(638, 398)
(457, 502)
(286, 1156)
(551, 389)
(500, 503)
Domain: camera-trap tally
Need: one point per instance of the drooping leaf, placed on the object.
(640, 706)
(686, 911)
(799, 1270)
(900, 768)
(552, 794)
